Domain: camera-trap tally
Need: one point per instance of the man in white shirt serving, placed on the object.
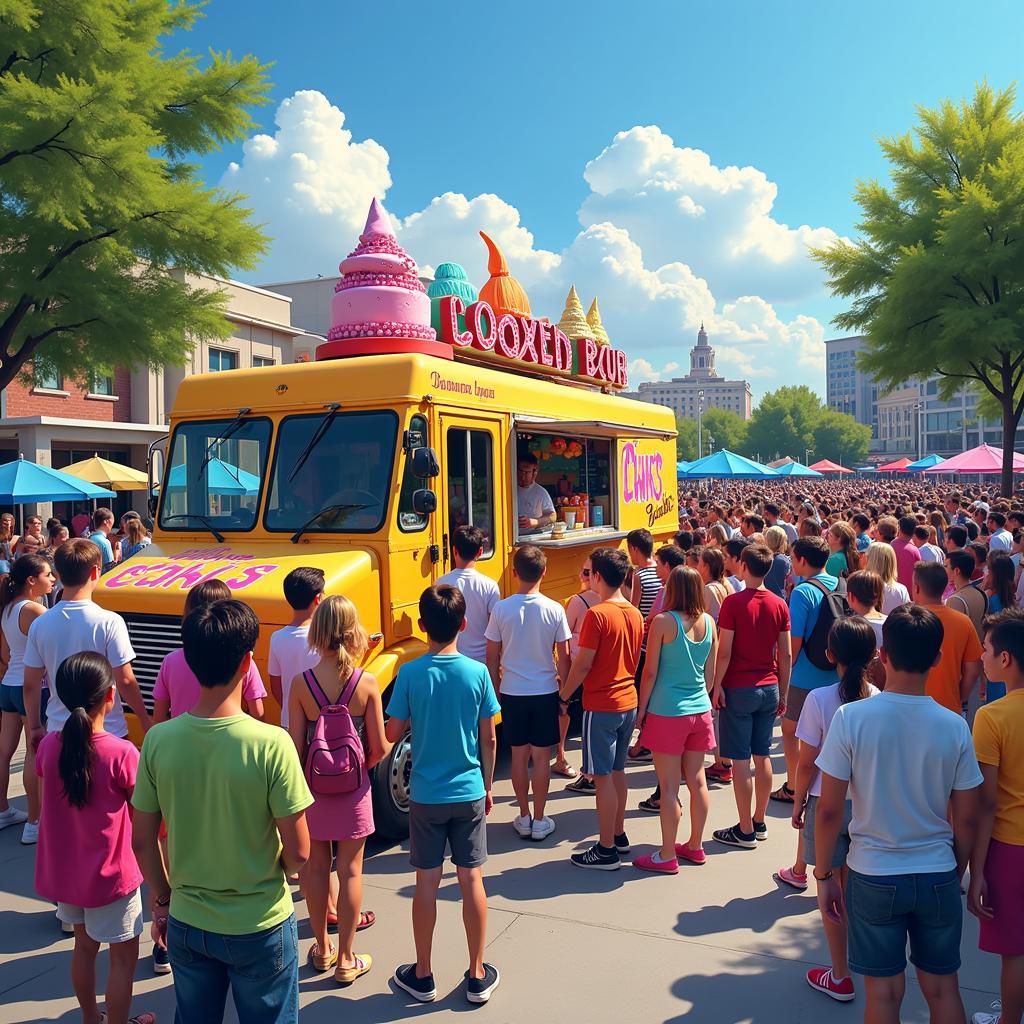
(536, 509)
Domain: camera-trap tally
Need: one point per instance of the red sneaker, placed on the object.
(697, 856)
(821, 979)
(792, 879)
(719, 773)
(661, 867)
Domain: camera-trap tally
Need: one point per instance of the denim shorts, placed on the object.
(747, 722)
(886, 910)
(12, 701)
(606, 739)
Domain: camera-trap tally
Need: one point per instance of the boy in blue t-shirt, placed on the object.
(449, 702)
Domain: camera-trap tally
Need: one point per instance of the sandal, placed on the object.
(367, 919)
(142, 1018)
(346, 975)
(320, 963)
(784, 794)
(564, 769)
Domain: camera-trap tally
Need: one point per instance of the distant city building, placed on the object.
(684, 395)
(848, 388)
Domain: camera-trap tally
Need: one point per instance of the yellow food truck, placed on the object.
(364, 467)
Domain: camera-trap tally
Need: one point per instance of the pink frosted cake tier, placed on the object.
(352, 308)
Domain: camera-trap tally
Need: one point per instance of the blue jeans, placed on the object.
(261, 968)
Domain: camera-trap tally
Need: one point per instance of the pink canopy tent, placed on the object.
(983, 459)
(899, 466)
(827, 466)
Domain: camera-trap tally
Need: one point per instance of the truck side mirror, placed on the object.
(151, 505)
(424, 502)
(425, 464)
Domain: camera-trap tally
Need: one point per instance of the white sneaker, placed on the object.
(12, 816)
(30, 833)
(523, 825)
(989, 1018)
(542, 828)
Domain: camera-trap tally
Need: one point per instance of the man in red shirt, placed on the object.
(751, 682)
(907, 553)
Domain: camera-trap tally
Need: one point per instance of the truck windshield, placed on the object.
(350, 467)
(216, 486)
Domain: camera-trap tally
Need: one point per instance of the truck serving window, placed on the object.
(409, 520)
(215, 473)
(471, 482)
(333, 464)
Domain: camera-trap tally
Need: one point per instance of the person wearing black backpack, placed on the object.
(816, 602)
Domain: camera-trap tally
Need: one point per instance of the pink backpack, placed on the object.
(335, 762)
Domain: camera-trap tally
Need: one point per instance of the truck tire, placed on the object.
(390, 787)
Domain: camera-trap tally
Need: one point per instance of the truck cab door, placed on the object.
(473, 489)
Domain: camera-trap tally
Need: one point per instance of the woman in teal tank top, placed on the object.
(675, 713)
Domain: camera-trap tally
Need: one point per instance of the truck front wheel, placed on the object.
(391, 790)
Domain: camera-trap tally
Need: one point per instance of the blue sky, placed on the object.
(514, 100)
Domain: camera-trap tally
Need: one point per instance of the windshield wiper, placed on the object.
(330, 508)
(232, 428)
(206, 522)
(332, 411)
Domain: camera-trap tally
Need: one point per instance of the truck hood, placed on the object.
(156, 580)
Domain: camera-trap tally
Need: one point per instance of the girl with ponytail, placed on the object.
(339, 639)
(851, 648)
(85, 862)
(23, 593)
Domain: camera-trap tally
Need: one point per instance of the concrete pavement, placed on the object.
(719, 944)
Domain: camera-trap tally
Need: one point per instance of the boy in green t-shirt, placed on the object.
(233, 794)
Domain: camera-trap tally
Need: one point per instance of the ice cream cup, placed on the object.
(570, 520)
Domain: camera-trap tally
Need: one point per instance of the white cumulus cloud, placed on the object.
(669, 241)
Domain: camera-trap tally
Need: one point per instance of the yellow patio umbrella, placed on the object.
(111, 475)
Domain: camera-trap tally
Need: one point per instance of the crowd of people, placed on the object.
(880, 622)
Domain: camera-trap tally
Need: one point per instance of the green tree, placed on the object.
(841, 438)
(783, 423)
(937, 278)
(101, 214)
(729, 429)
(686, 439)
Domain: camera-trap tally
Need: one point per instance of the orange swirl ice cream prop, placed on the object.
(502, 291)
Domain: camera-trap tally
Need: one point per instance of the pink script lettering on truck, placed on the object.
(641, 475)
(190, 568)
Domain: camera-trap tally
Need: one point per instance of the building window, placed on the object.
(260, 361)
(101, 385)
(46, 376)
(222, 359)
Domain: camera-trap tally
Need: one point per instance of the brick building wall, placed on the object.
(72, 401)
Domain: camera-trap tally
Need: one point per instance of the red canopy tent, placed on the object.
(827, 466)
(899, 466)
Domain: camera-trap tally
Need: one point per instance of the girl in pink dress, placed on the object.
(347, 819)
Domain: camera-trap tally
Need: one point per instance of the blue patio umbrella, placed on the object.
(221, 478)
(796, 469)
(23, 482)
(727, 465)
(681, 467)
(926, 463)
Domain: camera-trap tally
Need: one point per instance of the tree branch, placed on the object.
(45, 144)
(11, 322)
(956, 169)
(985, 292)
(961, 284)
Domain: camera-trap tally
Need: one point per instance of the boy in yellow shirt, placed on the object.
(996, 894)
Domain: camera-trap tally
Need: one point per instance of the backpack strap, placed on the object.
(315, 689)
(350, 687)
(818, 585)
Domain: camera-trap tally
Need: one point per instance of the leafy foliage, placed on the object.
(728, 428)
(102, 218)
(936, 281)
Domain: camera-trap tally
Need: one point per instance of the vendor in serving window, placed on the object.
(533, 503)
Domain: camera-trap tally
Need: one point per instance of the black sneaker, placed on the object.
(597, 858)
(734, 837)
(478, 990)
(622, 843)
(760, 831)
(582, 785)
(161, 960)
(419, 988)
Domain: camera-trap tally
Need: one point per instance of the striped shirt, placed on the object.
(650, 585)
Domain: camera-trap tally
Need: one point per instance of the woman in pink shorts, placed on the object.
(675, 713)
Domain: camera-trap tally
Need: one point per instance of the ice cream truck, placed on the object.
(364, 463)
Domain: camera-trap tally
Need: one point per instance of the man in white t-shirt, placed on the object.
(999, 537)
(290, 654)
(73, 625)
(533, 503)
(526, 634)
(480, 591)
(906, 759)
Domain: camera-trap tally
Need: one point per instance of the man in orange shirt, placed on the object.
(951, 681)
(609, 651)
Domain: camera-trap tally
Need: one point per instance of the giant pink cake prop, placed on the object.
(380, 294)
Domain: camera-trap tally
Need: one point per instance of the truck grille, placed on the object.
(153, 637)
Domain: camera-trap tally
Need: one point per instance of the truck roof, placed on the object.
(396, 379)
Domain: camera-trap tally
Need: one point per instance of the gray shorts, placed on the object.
(842, 849)
(119, 921)
(606, 739)
(795, 700)
(460, 827)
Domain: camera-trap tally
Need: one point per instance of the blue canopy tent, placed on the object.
(796, 469)
(681, 467)
(221, 478)
(922, 464)
(727, 465)
(23, 482)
